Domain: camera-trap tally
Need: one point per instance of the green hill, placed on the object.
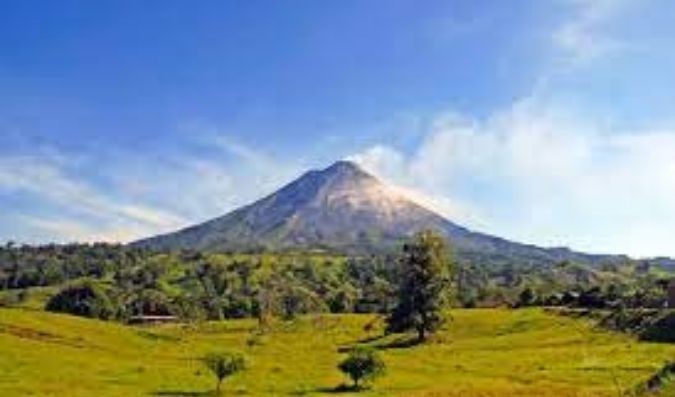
(498, 353)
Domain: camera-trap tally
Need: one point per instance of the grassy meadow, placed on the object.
(487, 353)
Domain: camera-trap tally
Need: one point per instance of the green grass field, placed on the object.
(487, 353)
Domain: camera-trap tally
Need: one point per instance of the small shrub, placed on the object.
(362, 365)
(224, 365)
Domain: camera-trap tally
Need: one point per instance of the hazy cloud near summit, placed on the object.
(550, 168)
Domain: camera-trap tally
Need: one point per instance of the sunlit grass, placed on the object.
(498, 353)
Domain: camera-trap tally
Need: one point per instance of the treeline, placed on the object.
(30, 266)
(648, 292)
(120, 282)
(629, 285)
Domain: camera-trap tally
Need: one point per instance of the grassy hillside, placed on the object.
(487, 353)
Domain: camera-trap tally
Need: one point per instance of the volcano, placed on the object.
(345, 209)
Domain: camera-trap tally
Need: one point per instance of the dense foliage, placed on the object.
(82, 299)
(425, 271)
(194, 286)
(29, 266)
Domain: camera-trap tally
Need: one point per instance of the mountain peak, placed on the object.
(346, 167)
(344, 164)
(342, 207)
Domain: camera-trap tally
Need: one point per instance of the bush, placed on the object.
(527, 298)
(84, 299)
(362, 364)
(223, 365)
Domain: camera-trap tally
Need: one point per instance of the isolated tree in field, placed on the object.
(224, 365)
(423, 285)
(362, 365)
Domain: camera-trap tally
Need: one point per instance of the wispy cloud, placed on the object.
(544, 175)
(582, 37)
(126, 195)
(205, 176)
(47, 177)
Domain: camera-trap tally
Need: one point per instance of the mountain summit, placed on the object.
(342, 208)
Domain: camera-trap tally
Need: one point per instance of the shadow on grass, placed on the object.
(370, 339)
(182, 393)
(342, 388)
(364, 341)
(401, 342)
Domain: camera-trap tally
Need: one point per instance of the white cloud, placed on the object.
(582, 37)
(394, 168)
(538, 174)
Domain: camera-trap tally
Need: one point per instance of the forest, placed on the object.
(117, 282)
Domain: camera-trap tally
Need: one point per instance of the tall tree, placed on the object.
(423, 285)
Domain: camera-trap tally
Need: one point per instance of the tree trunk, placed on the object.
(421, 334)
(220, 381)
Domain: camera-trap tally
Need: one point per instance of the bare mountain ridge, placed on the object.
(345, 209)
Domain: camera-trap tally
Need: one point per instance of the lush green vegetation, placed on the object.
(483, 352)
(196, 286)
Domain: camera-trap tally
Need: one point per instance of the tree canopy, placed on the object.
(425, 269)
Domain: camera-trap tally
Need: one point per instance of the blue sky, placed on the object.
(548, 122)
